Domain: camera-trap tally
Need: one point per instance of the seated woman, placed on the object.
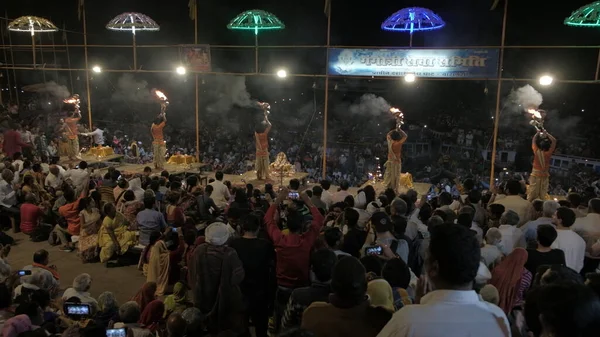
(129, 207)
(145, 295)
(108, 309)
(152, 318)
(90, 220)
(114, 238)
(145, 257)
(165, 257)
(175, 215)
(178, 301)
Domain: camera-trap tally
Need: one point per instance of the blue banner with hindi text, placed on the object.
(450, 63)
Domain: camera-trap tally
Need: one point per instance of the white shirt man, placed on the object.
(521, 206)
(568, 241)
(327, 198)
(220, 194)
(588, 227)
(54, 181)
(574, 247)
(79, 177)
(98, 136)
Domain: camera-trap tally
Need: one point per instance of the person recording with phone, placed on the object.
(293, 249)
(385, 244)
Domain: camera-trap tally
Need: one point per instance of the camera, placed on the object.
(24, 272)
(77, 309)
(294, 195)
(122, 332)
(373, 250)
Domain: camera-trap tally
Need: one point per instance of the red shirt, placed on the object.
(12, 143)
(30, 216)
(293, 250)
(71, 214)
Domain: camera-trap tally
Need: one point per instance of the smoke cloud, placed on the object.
(367, 105)
(128, 89)
(524, 98)
(57, 90)
(229, 91)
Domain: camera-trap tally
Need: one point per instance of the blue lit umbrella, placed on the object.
(413, 19)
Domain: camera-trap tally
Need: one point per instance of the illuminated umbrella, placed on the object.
(133, 22)
(586, 16)
(256, 20)
(32, 24)
(413, 19)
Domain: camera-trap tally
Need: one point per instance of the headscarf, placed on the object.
(159, 266)
(152, 315)
(135, 185)
(381, 294)
(16, 325)
(178, 300)
(145, 295)
(506, 278)
(217, 234)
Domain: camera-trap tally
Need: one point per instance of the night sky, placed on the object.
(354, 23)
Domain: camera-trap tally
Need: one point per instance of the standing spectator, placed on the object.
(258, 260)
(340, 195)
(529, 229)
(567, 240)
(512, 280)
(12, 141)
(544, 254)
(326, 196)
(216, 273)
(220, 192)
(511, 234)
(350, 312)
(453, 303)
(293, 249)
(322, 263)
(514, 202)
(317, 198)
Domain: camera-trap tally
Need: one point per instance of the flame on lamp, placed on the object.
(160, 95)
(534, 113)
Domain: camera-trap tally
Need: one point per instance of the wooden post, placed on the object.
(134, 54)
(256, 50)
(10, 88)
(197, 89)
(326, 91)
(87, 67)
(68, 59)
(498, 93)
(12, 60)
(33, 49)
(597, 66)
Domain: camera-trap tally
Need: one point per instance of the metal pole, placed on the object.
(33, 49)
(326, 91)
(197, 89)
(134, 53)
(597, 66)
(498, 93)
(6, 60)
(256, 51)
(87, 67)
(43, 62)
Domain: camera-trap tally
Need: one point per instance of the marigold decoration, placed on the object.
(413, 19)
(256, 20)
(32, 25)
(133, 22)
(586, 16)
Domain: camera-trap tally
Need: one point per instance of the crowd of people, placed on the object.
(237, 260)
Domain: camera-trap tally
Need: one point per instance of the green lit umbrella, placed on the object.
(256, 20)
(586, 16)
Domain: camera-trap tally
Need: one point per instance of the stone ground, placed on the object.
(124, 282)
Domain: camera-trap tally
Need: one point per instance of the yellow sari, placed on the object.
(125, 238)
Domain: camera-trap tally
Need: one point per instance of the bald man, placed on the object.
(176, 325)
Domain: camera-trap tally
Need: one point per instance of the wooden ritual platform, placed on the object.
(90, 159)
(421, 188)
(250, 178)
(175, 169)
